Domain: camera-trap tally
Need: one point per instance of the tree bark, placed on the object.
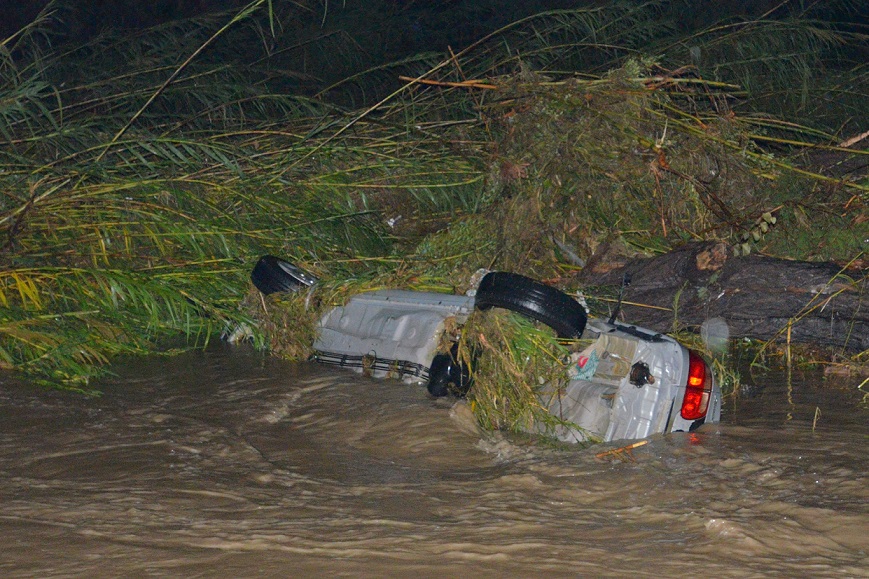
(757, 296)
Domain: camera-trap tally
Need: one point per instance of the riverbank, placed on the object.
(138, 192)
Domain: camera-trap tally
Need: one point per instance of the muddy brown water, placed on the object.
(226, 463)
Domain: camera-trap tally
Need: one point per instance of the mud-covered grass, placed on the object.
(517, 365)
(649, 159)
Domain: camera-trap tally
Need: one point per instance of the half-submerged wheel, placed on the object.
(447, 375)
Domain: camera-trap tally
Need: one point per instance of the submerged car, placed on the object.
(629, 383)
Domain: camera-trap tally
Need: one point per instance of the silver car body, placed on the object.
(396, 333)
(609, 406)
(389, 333)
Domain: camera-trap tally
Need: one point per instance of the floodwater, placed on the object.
(226, 463)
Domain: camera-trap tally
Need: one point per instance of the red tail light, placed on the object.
(698, 388)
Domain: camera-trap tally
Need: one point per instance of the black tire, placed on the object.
(532, 299)
(447, 375)
(272, 275)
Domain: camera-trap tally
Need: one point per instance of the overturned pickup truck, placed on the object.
(629, 382)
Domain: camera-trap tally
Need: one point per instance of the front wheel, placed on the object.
(448, 375)
(272, 275)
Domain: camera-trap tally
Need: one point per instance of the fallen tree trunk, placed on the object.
(758, 297)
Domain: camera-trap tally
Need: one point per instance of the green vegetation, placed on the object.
(518, 366)
(143, 172)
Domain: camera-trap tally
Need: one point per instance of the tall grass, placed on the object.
(143, 172)
(134, 207)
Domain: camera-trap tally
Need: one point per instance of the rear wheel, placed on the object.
(532, 299)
